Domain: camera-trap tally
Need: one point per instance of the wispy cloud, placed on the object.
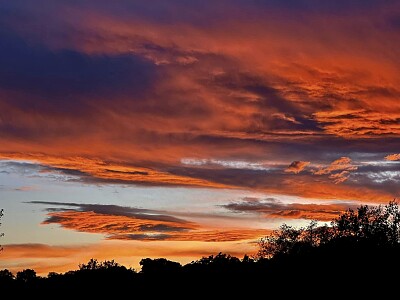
(339, 170)
(26, 188)
(272, 208)
(96, 170)
(266, 177)
(229, 164)
(215, 235)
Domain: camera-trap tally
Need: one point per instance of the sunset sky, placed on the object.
(178, 129)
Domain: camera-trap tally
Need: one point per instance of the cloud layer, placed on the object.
(127, 94)
(129, 223)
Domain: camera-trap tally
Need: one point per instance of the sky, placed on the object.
(180, 129)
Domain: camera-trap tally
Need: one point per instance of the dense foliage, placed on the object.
(367, 227)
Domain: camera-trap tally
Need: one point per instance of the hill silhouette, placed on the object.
(359, 252)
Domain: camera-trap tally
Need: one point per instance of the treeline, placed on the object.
(359, 247)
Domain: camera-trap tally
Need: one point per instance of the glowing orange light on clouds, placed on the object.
(287, 102)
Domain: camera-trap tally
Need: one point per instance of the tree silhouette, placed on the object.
(94, 270)
(220, 263)
(368, 226)
(27, 276)
(380, 224)
(6, 277)
(159, 266)
(94, 264)
(288, 240)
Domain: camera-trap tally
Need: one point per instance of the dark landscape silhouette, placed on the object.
(360, 250)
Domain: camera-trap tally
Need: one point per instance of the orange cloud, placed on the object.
(393, 157)
(360, 123)
(24, 251)
(128, 223)
(316, 189)
(297, 166)
(343, 95)
(113, 225)
(337, 165)
(98, 171)
(328, 87)
(339, 169)
(244, 96)
(203, 235)
(117, 172)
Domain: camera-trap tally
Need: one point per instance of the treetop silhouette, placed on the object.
(377, 226)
